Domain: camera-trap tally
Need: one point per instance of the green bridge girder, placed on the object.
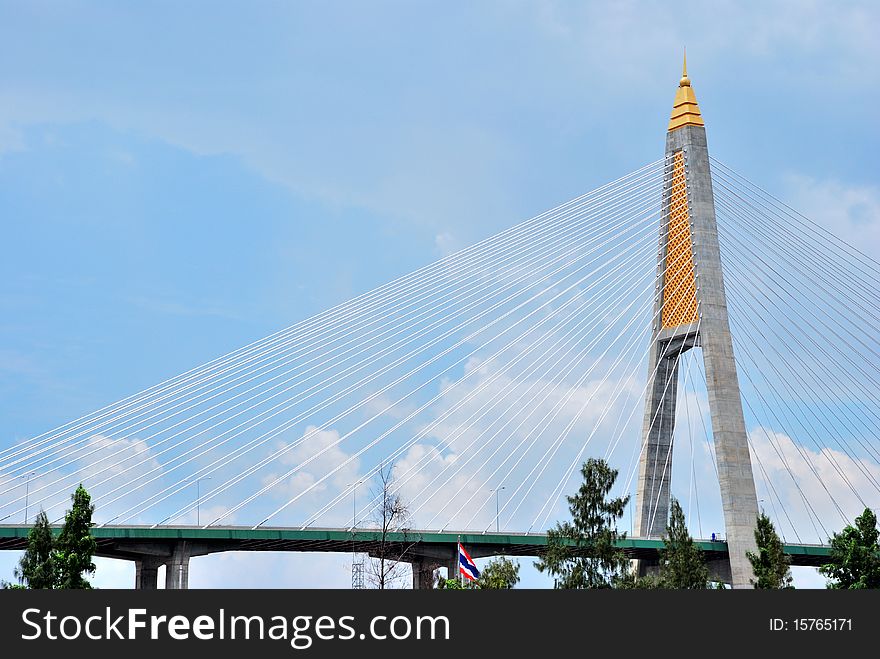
(132, 542)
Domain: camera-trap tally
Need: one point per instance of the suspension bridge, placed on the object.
(678, 315)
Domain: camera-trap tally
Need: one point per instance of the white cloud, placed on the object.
(501, 433)
(851, 212)
(820, 476)
(384, 404)
(90, 461)
(106, 457)
(125, 463)
(418, 469)
(758, 29)
(332, 457)
(414, 145)
(445, 243)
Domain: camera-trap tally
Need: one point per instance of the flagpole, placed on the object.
(458, 562)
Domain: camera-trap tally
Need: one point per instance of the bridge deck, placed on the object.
(132, 542)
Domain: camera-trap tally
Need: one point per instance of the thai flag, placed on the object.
(466, 564)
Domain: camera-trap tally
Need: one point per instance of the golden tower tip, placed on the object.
(685, 111)
(685, 81)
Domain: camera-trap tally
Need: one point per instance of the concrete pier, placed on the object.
(146, 573)
(149, 556)
(177, 568)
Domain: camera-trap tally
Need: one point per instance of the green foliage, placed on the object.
(453, 584)
(582, 553)
(500, 574)
(50, 562)
(75, 545)
(632, 581)
(37, 569)
(681, 561)
(770, 564)
(855, 562)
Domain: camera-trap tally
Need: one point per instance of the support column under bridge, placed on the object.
(149, 556)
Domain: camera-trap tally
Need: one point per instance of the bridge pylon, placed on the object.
(691, 311)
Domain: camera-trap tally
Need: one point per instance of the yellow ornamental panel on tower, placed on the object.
(679, 282)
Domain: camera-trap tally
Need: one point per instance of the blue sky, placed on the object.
(180, 179)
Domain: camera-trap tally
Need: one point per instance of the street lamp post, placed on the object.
(199, 499)
(497, 512)
(354, 509)
(27, 485)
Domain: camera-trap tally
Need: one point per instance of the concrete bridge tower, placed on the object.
(691, 311)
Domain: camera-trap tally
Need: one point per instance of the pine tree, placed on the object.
(633, 581)
(855, 555)
(681, 561)
(770, 564)
(36, 569)
(583, 553)
(75, 545)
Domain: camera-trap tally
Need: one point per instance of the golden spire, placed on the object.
(685, 111)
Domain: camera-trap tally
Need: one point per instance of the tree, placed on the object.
(632, 581)
(75, 545)
(770, 564)
(583, 553)
(386, 567)
(855, 561)
(452, 584)
(500, 574)
(681, 561)
(37, 569)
